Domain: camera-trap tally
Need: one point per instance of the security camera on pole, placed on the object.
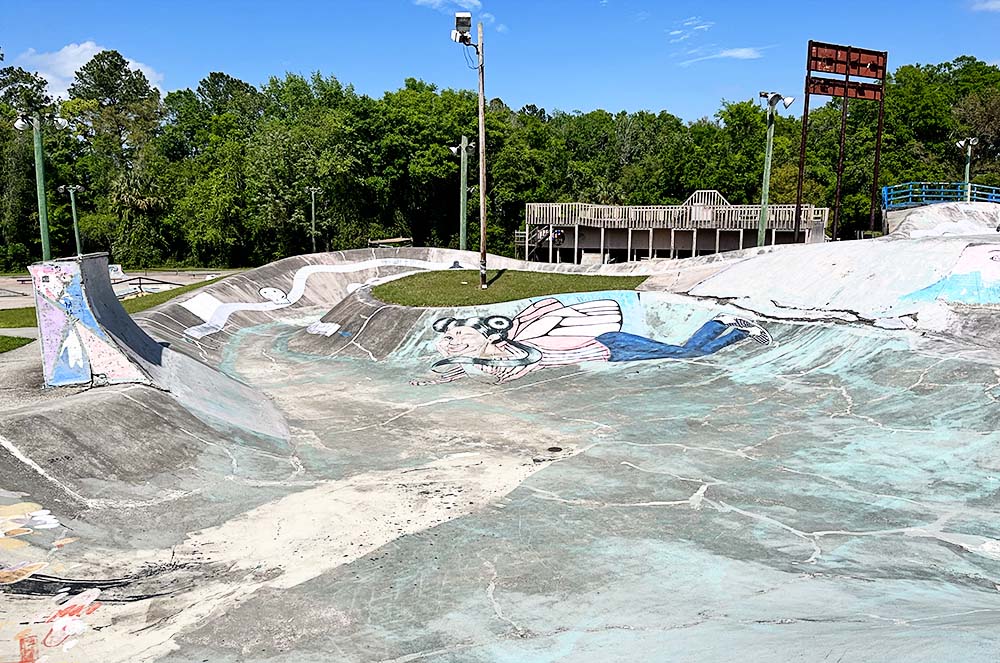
(463, 26)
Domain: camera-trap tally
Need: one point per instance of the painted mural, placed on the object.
(75, 350)
(552, 333)
(975, 279)
(30, 540)
(216, 313)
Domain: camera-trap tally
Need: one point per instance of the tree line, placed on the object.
(217, 176)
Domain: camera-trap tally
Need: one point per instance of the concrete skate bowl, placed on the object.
(582, 494)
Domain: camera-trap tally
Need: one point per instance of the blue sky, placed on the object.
(681, 56)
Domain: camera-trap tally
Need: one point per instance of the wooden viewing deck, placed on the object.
(558, 224)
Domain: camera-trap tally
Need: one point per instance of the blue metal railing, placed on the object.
(915, 194)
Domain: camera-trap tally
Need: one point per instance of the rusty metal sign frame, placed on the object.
(830, 70)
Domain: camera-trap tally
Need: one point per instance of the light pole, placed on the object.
(463, 25)
(313, 190)
(463, 150)
(772, 101)
(966, 144)
(35, 122)
(72, 189)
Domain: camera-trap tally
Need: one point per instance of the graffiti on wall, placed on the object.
(551, 333)
(975, 279)
(75, 350)
(215, 313)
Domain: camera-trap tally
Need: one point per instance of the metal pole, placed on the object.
(463, 197)
(878, 157)
(968, 164)
(802, 147)
(762, 221)
(312, 191)
(843, 138)
(43, 211)
(482, 161)
(76, 226)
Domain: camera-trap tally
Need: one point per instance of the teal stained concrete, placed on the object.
(831, 497)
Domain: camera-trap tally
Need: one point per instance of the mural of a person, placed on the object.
(550, 333)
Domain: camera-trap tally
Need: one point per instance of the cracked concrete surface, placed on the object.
(832, 496)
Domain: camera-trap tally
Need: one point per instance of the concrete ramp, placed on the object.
(88, 339)
(786, 449)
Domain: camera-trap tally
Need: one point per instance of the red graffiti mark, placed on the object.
(29, 649)
(74, 610)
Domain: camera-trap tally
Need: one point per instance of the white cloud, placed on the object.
(744, 53)
(448, 5)
(502, 27)
(687, 28)
(59, 67)
(488, 18)
(986, 6)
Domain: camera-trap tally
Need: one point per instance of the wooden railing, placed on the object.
(679, 217)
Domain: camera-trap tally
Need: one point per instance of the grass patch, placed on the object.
(8, 343)
(461, 287)
(18, 317)
(137, 304)
(25, 317)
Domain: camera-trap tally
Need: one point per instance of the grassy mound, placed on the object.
(461, 287)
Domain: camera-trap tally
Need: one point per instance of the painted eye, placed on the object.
(995, 257)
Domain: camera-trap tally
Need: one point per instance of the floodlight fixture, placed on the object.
(20, 124)
(463, 22)
(967, 142)
(774, 97)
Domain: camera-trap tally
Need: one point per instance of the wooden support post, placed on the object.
(741, 238)
(671, 243)
(527, 239)
(717, 239)
(602, 245)
(694, 243)
(550, 242)
(774, 236)
(650, 243)
(576, 244)
(628, 244)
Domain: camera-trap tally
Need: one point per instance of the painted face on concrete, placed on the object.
(274, 295)
(983, 258)
(462, 341)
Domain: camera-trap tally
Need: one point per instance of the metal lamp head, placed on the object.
(463, 28)
(788, 101)
(20, 124)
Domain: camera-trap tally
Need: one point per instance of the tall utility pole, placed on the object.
(35, 122)
(43, 209)
(463, 24)
(72, 189)
(482, 160)
(313, 190)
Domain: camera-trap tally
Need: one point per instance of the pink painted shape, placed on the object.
(107, 359)
(53, 325)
